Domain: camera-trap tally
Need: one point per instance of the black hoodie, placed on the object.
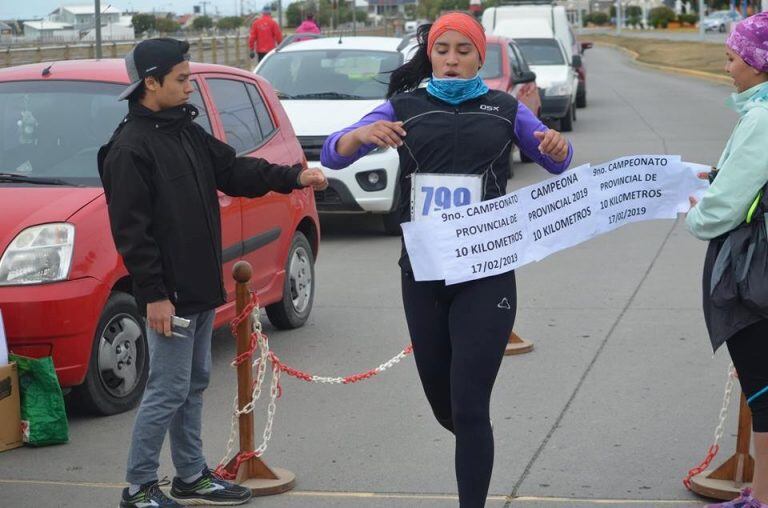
(160, 173)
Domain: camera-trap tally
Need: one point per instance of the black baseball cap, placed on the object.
(153, 57)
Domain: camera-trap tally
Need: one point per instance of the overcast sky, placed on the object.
(11, 9)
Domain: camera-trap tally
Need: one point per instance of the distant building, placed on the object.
(379, 9)
(78, 22)
(49, 30)
(6, 31)
(83, 17)
(185, 20)
(110, 32)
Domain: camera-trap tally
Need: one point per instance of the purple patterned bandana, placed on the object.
(749, 40)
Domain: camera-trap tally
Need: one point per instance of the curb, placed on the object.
(717, 78)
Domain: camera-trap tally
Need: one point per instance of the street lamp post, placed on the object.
(701, 19)
(97, 13)
(618, 17)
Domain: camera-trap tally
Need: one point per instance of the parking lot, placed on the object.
(618, 400)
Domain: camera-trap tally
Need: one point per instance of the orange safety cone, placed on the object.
(517, 345)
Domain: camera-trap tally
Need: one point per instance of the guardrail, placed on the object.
(226, 50)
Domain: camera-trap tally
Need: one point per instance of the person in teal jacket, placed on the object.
(741, 174)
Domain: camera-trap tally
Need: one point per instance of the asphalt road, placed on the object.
(618, 400)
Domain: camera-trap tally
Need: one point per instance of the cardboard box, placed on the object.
(10, 408)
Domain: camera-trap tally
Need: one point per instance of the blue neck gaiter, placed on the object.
(454, 91)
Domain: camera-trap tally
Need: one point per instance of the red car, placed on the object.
(505, 69)
(64, 291)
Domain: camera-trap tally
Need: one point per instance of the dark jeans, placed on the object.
(179, 369)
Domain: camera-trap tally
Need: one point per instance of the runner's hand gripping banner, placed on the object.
(462, 243)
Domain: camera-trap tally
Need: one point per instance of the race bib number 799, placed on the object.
(433, 193)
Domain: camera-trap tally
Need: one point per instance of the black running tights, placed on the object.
(459, 334)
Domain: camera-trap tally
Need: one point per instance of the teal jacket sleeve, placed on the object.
(743, 172)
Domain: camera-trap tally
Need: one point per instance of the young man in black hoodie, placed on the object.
(160, 173)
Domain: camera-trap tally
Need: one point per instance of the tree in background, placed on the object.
(325, 14)
(293, 14)
(659, 17)
(597, 18)
(142, 23)
(166, 25)
(431, 9)
(202, 23)
(230, 23)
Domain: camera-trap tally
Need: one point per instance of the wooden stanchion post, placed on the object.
(238, 59)
(734, 474)
(517, 345)
(252, 473)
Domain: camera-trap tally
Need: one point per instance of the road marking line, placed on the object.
(384, 495)
(66, 484)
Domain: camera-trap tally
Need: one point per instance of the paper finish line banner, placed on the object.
(529, 224)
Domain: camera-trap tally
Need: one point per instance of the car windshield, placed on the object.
(492, 66)
(541, 51)
(333, 74)
(52, 130)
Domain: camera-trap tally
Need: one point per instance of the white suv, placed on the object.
(327, 84)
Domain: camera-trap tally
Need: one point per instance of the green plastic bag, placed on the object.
(43, 417)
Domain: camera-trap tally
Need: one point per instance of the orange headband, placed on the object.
(462, 23)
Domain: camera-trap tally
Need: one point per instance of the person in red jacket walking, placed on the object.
(265, 34)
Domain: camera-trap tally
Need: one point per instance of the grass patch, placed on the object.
(691, 55)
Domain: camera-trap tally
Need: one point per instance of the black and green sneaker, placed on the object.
(209, 489)
(148, 496)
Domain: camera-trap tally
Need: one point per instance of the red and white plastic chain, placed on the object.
(346, 380)
(259, 341)
(719, 430)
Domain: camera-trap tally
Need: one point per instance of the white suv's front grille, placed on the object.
(312, 146)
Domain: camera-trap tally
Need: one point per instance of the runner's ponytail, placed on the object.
(409, 75)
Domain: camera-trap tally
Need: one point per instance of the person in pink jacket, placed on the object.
(308, 26)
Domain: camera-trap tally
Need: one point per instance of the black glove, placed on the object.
(252, 55)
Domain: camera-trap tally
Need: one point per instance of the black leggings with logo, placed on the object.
(459, 334)
(749, 349)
